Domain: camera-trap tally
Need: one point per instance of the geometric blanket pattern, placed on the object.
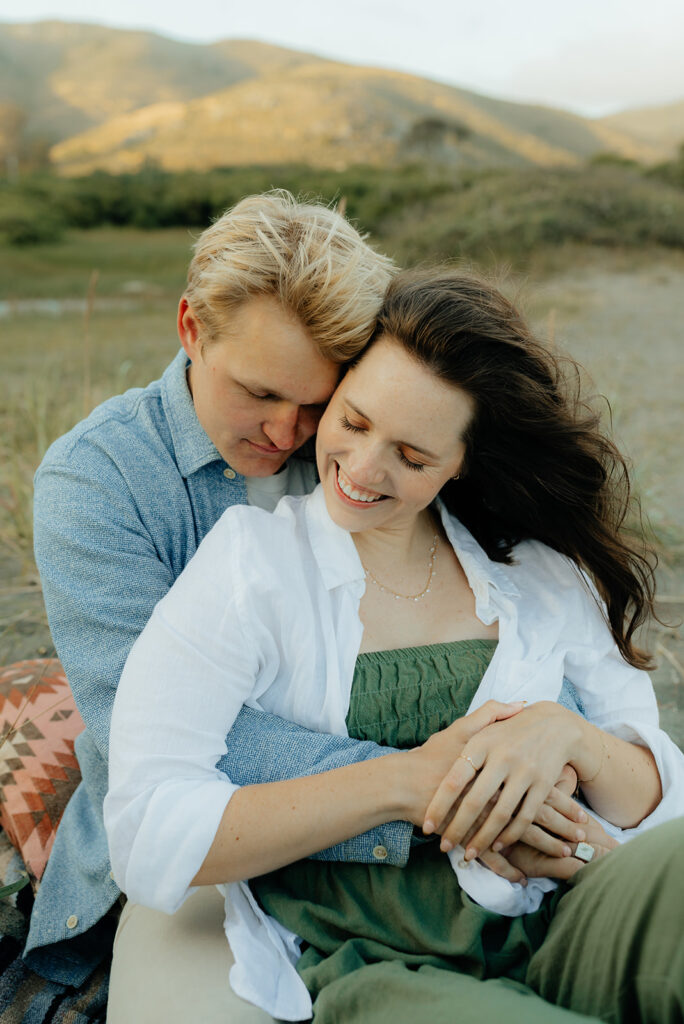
(39, 771)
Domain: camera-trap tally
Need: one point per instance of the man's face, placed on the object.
(260, 388)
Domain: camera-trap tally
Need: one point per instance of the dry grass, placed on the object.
(49, 381)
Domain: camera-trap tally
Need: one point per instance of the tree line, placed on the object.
(418, 209)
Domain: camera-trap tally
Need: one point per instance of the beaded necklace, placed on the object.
(409, 597)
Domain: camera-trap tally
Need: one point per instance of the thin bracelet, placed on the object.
(586, 782)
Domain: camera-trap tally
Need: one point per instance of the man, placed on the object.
(280, 295)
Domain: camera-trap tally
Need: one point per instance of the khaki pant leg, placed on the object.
(175, 968)
(615, 945)
(390, 992)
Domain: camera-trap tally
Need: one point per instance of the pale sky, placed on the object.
(592, 56)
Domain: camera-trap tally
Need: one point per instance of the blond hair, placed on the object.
(306, 255)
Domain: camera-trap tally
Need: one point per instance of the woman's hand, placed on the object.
(425, 767)
(517, 762)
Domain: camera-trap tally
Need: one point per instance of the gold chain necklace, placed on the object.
(409, 597)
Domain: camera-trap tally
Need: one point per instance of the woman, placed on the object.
(371, 607)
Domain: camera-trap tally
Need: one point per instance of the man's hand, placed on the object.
(557, 828)
(535, 864)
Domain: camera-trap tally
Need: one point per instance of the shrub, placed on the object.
(671, 172)
(417, 210)
(24, 221)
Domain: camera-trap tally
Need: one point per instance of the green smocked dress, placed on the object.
(370, 925)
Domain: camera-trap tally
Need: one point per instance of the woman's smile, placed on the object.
(353, 492)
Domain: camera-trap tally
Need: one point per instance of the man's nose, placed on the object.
(281, 426)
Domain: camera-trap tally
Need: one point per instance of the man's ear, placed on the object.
(189, 331)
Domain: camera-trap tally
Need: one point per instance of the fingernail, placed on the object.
(566, 851)
(580, 834)
(497, 846)
(582, 816)
(471, 853)
(446, 845)
(428, 826)
(523, 882)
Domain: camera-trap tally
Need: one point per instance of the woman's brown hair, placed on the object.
(537, 464)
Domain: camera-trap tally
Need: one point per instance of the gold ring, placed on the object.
(470, 762)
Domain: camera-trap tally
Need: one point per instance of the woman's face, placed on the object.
(390, 439)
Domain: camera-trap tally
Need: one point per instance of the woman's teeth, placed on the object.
(353, 493)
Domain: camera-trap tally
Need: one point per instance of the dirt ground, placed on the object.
(625, 324)
(624, 320)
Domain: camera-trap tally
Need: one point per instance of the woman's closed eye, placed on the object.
(348, 425)
(356, 429)
(417, 466)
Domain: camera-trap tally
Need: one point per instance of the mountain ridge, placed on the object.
(115, 99)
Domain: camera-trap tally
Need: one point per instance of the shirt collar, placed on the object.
(333, 547)
(480, 570)
(339, 562)
(193, 446)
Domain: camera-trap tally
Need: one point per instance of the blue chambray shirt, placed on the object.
(121, 504)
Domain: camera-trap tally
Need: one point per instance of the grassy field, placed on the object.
(618, 312)
(56, 366)
(128, 260)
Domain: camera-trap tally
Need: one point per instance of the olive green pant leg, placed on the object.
(391, 993)
(615, 944)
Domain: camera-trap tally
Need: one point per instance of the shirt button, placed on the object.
(465, 863)
(111, 875)
(380, 852)
(229, 473)
(72, 921)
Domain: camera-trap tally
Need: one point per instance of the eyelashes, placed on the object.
(417, 467)
(344, 422)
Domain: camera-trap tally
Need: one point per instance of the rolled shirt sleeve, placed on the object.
(620, 699)
(183, 685)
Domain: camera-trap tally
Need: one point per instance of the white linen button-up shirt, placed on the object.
(267, 614)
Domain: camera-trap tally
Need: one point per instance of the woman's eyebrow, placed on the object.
(407, 444)
(358, 411)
